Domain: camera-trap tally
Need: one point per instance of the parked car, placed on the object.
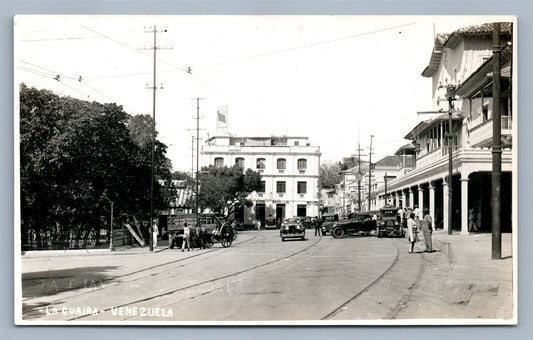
(389, 223)
(307, 222)
(270, 223)
(292, 228)
(357, 223)
(327, 221)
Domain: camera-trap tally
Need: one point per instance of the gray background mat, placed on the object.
(522, 8)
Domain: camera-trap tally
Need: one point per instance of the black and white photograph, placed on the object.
(265, 170)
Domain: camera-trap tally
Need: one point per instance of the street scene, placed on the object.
(265, 170)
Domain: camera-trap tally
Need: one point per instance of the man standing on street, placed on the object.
(186, 237)
(318, 230)
(427, 229)
(155, 232)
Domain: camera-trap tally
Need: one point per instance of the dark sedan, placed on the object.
(357, 223)
(292, 228)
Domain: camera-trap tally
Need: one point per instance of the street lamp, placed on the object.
(450, 98)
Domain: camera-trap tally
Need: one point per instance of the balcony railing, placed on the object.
(481, 134)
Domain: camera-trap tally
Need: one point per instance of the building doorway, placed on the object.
(280, 214)
(260, 213)
(301, 210)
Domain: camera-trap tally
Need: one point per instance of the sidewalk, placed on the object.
(483, 285)
(124, 250)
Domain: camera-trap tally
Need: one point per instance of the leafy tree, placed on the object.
(329, 175)
(225, 190)
(78, 156)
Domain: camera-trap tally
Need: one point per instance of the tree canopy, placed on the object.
(78, 156)
(224, 189)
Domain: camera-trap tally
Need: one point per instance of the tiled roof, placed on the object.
(451, 41)
(405, 149)
(388, 161)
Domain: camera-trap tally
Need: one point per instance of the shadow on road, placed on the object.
(51, 282)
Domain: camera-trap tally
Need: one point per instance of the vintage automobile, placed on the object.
(270, 223)
(292, 228)
(327, 221)
(357, 223)
(307, 222)
(389, 223)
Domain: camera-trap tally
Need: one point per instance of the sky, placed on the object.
(335, 79)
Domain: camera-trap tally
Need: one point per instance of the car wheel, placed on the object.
(303, 238)
(338, 232)
(282, 239)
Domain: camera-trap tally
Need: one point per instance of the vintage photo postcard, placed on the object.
(265, 170)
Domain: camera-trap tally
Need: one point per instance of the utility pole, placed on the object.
(496, 144)
(192, 156)
(111, 246)
(386, 197)
(359, 176)
(370, 172)
(197, 154)
(450, 94)
(154, 88)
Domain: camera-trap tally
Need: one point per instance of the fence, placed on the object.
(46, 240)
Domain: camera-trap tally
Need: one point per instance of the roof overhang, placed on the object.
(480, 78)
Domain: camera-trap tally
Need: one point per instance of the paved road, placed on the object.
(259, 278)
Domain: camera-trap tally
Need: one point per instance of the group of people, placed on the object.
(419, 222)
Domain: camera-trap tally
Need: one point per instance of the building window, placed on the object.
(260, 163)
(302, 164)
(219, 162)
(282, 163)
(485, 112)
(302, 187)
(239, 162)
(280, 187)
(262, 186)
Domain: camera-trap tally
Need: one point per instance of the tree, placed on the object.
(78, 156)
(329, 175)
(225, 190)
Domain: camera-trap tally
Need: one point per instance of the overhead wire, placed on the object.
(304, 46)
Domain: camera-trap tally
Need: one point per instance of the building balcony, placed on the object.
(481, 133)
(260, 149)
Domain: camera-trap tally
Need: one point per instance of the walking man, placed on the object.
(186, 237)
(427, 229)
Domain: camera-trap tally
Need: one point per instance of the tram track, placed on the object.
(102, 282)
(204, 282)
(401, 303)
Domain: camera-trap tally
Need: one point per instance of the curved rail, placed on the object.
(239, 272)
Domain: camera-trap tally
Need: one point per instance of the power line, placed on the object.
(134, 49)
(305, 46)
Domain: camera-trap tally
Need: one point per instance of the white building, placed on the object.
(463, 60)
(289, 167)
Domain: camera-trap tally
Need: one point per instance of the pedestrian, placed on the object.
(427, 229)
(155, 232)
(400, 214)
(412, 232)
(318, 230)
(471, 224)
(416, 212)
(186, 237)
(258, 225)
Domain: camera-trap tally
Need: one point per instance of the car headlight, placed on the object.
(286, 227)
(396, 223)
